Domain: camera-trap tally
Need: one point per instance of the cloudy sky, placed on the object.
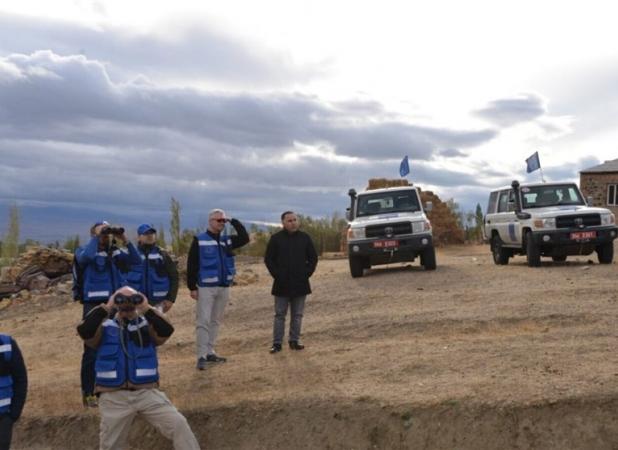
(110, 108)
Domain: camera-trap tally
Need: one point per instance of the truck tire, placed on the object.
(356, 266)
(533, 254)
(500, 254)
(605, 253)
(559, 258)
(428, 258)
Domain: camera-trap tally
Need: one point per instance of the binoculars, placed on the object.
(134, 299)
(116, 231)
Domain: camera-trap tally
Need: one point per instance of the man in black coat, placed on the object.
(291, 259)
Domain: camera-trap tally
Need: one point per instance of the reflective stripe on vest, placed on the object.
(216, 263)
(102, 277)
(114, 367)
(150, 277)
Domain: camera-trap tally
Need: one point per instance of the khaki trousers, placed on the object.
(119, 408)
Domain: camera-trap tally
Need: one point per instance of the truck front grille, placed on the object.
(575, 221)
(380, 230)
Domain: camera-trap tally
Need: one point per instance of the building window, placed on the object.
(612, 191)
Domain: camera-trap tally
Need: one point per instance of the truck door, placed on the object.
(505, 219)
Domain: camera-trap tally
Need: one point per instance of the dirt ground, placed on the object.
(469, 356)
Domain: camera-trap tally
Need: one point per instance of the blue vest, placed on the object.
(150, 277)
(216, 261)
(102, 278)
(6, 381)
(120, 360)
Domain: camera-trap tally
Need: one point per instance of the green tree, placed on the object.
(10, 246)
(175, 226)
(480, 219)
(72, 243)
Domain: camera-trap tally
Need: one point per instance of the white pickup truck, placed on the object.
(386, 226)
(547, 219)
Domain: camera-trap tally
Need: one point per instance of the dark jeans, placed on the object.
(6, 431)
(297, 307)
(88, 359)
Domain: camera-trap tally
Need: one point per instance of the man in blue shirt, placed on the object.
(13, 388)
(104, 266)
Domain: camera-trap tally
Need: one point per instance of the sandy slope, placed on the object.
(472, 355)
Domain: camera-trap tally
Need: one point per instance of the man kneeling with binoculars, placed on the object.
(127, 375)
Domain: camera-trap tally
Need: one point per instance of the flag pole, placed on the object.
(542, 176)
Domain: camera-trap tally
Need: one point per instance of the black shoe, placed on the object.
(201, 363)
(212, 358)
(294, 345)
(276, 348)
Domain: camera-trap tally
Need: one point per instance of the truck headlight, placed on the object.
(608, 219)
(356, 233)
(545, 223)
(419, 227)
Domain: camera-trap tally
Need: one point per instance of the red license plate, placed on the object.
(385, 244)
(580, 235)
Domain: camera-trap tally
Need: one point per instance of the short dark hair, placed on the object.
(285, 214)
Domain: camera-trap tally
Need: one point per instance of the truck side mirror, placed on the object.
(428, 206)
(348, 214)
(589, 200)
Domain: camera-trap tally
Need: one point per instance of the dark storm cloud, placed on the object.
(511, 111)
(70, 137)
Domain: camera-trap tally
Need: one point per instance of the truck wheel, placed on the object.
(559, 258)
(356, 266)
(605, 253)
(500, 254)
(533, 254)
(428, 258)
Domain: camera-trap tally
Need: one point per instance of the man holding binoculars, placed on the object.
(127, 372)
(104, 267)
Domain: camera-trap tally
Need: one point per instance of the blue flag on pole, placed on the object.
(404, 167)
(533, 163)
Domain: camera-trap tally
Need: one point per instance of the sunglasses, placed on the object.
(220, 220)
(122, 299)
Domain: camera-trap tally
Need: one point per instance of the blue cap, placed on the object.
(145, 228)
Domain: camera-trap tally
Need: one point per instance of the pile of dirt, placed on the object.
(363, 424)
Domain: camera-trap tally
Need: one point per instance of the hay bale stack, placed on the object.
(379, 183)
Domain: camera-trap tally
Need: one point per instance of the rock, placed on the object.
(39, 283)
(246, 277)
(63, 288)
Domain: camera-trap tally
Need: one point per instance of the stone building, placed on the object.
(601, 183)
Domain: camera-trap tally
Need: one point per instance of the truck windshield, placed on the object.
(387, 202)
(550, 195)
